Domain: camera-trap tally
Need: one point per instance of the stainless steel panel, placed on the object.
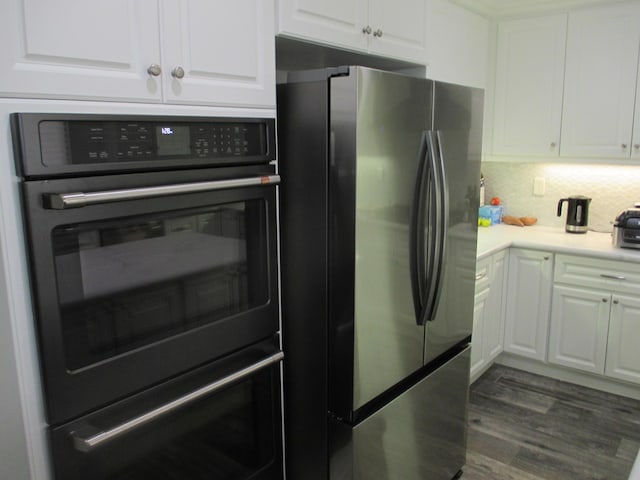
(458, 121)
(393, 112)
(422, 433)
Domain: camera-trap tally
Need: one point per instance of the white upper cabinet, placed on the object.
(399, 29)
(601, 80)
(529, 81)
(635, 153)
(176, 51)
(458, 43)
(79, 49)
(225, 49)
(389, 28)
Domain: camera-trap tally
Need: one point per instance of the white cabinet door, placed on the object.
(493, 338)
(529, 82)
(600, 81)
(635, 152)
(398, 29)
(457, 43)
(225, 50)
(579, 327)
(478, 360)
(392, 29)
(528, 303)
(80, 49)
(334, 22)
(623, 352)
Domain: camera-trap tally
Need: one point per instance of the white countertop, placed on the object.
(552, 239)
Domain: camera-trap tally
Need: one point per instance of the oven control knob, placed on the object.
(178, 72)
(154, 70)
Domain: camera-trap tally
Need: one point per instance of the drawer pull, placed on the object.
(613, 277)
(480, 276)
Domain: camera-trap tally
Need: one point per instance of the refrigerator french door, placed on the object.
(379, 216)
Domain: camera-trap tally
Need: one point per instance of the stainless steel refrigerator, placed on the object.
(379, 200)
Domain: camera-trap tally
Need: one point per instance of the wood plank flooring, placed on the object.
(528, 427)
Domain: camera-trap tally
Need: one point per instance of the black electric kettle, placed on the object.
(577, 215)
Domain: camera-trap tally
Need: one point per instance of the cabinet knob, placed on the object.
(616, 302)
(546, 257)
(154, 70)
(377, 33)
(553, 144)
(604, 300)
(624, 146)
(177, 72)
(366, 30)
(637, 146)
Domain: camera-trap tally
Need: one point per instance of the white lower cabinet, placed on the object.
(579, 327)
(478, 362)
(528, 303)
(595, 317)
(575, 312)
(488, 313)
(623, 346)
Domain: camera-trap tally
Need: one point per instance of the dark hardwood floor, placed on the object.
(528, 427)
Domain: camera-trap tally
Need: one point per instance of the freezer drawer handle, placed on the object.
(86, 439)
(60, 201)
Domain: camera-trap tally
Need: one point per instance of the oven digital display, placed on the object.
(173, 140)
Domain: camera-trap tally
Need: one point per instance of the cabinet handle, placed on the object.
(177, 72)
(154, 70)
(366, 30)
(377, 33)
(480, 276)
(613, 277)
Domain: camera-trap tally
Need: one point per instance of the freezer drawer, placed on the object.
(420, 434)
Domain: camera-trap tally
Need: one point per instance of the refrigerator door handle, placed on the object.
(416, 233)
(434, 195)
(442, 225)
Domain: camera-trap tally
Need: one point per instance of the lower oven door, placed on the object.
(154, 275)
(221, 422)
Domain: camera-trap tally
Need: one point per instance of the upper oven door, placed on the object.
(141, 283)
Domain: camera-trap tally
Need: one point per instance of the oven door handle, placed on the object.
(89, 438)
(61, 201)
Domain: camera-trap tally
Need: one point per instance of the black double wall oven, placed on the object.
(153, 263)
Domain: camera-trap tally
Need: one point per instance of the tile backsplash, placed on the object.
(612, 188)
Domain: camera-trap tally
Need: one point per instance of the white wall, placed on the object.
(611, 187)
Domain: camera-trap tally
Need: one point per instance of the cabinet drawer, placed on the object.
(598, 273)
(483, 274)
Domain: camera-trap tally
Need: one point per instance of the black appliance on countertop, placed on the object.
(577, 213)
(153, 265)
(626, 229)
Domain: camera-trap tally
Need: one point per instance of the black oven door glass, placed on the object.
(129, 282)
(234, 434)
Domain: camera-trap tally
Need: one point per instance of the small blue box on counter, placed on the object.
(492, 212)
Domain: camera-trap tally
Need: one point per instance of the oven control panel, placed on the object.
(139, 140)
(56, 144)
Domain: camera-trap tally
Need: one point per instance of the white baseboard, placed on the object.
(596, 382)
